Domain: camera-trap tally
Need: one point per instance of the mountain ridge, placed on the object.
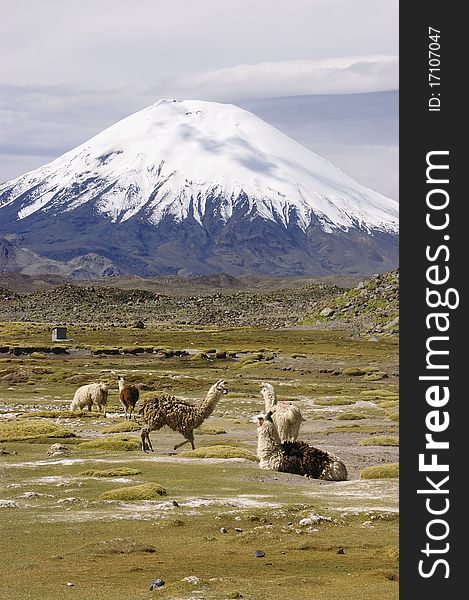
(204, 187)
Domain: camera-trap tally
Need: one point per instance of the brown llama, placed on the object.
(178, 414)
(128, 395)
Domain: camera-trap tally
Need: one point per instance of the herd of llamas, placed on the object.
(278, 447)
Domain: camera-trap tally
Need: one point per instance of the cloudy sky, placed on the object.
(323, 71)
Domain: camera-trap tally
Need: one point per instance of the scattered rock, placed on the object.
(340, 550)
(6, 452)
(70, 584)
(238, 530)
(139, 325)
(223, 530)
(327, 312)
(58, 450)
(313, 520)
(191, 579)
(260, 553)
(8, 504)
(174, 503)
(156, 584)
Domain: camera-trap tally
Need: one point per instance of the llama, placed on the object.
(286, 416)
(87, 395)
(295, 457)
(128, 395)
(178, 414)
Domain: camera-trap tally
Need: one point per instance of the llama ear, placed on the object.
(268, 416)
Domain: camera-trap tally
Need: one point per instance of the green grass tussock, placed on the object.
(356, 428)
(57, 414)
(117, 472)
(351, 416)
(117, 546)
(375, 376)
(144, 491)
(380, 441)
(219, 452)
(206, 430)
(354, 372)
(390, 471)
(31, 430)
(122, 427)
(115, 444)
(333, 401)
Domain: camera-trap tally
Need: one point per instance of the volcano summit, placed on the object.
(200, 187)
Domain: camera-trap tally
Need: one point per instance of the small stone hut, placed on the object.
(59, 333)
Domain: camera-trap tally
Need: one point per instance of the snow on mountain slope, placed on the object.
(169, 158)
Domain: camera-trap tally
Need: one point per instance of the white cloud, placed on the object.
(291, 78)
(138, 42)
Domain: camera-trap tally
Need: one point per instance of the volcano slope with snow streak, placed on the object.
(201, 187)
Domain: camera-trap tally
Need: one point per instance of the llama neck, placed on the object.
(269, 450)
(121, 384)
(270, 399)
(207, 405)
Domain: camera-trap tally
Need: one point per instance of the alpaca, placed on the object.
(295, 457)
(178, 414)
(286, 416)
(129, 395)
(87, 395)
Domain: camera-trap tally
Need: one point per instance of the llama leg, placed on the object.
(146, 441)
(149, 441)
(181, 444)
(189, 438)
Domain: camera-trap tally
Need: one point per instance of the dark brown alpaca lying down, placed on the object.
(295, 457)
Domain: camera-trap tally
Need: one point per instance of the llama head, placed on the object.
(220, 386)
(267, 389)
(264, 417)
(267, 429)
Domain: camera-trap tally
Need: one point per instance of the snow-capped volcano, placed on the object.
(182, 166)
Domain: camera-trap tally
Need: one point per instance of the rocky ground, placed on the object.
(370, 306)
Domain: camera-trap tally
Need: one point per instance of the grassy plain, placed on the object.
(64, 533)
